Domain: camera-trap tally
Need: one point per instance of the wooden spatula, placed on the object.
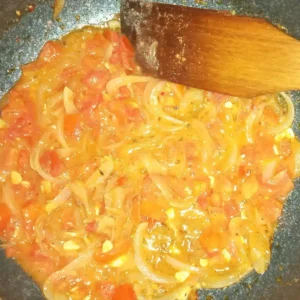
(211, 50)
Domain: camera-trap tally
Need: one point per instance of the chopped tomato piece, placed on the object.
(154, 209)
(50, 51)
(71, 123)
(22, 127)
(10, 252)
(270, 116)
(124, 292)
(51, 162)
(118, 250)
(280, 184)
(134, 114)
(285, 147)
(106, 289)
(125, 45)
(152, 222)
(91, 227)
(97, 44)
(212, 241)
(89, 102)
(36, 253)
(231, 209)
(127, 61)
(5, 215)
(136, 211)
(203, 201)
(118, 108)
(96, 79)
(121, 181)
(68, 72)
(9, 160)
(24, 157)
(31, 212)
(271, 209)
(111, 35)
(124, 92)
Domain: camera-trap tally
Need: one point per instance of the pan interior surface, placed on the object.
(21, 44)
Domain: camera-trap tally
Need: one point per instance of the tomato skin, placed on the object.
(124, 292)
(51, 162)
(5, 216)
(96, 79)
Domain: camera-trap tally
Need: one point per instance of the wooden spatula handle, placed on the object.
(212, 50)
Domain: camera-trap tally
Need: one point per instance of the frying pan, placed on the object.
(20, 42)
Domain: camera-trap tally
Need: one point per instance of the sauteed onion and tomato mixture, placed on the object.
(115, 185)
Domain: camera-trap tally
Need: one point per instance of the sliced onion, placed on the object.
(65, 152)
(39, 231)
(101, 174)
(113, 85)
(221, 281)
(35, 160)
(181, 266)
(140, 262)
(152, 165)
(79, 190)
(108, 53)
(163, 186)
(254, 115)
(8, 197)
(62, 197)
(174, 120)
(268, 170)
(203, 134)
(82, 260)
(60, 132)
(69, 101)
(113, 146)
(289, 118)
(35, 165)
(114, 24)
(148, 92)
(53, 101)
(232, 157)
(152, 104)
(58, 6)
(181, 293)
(172, 128)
